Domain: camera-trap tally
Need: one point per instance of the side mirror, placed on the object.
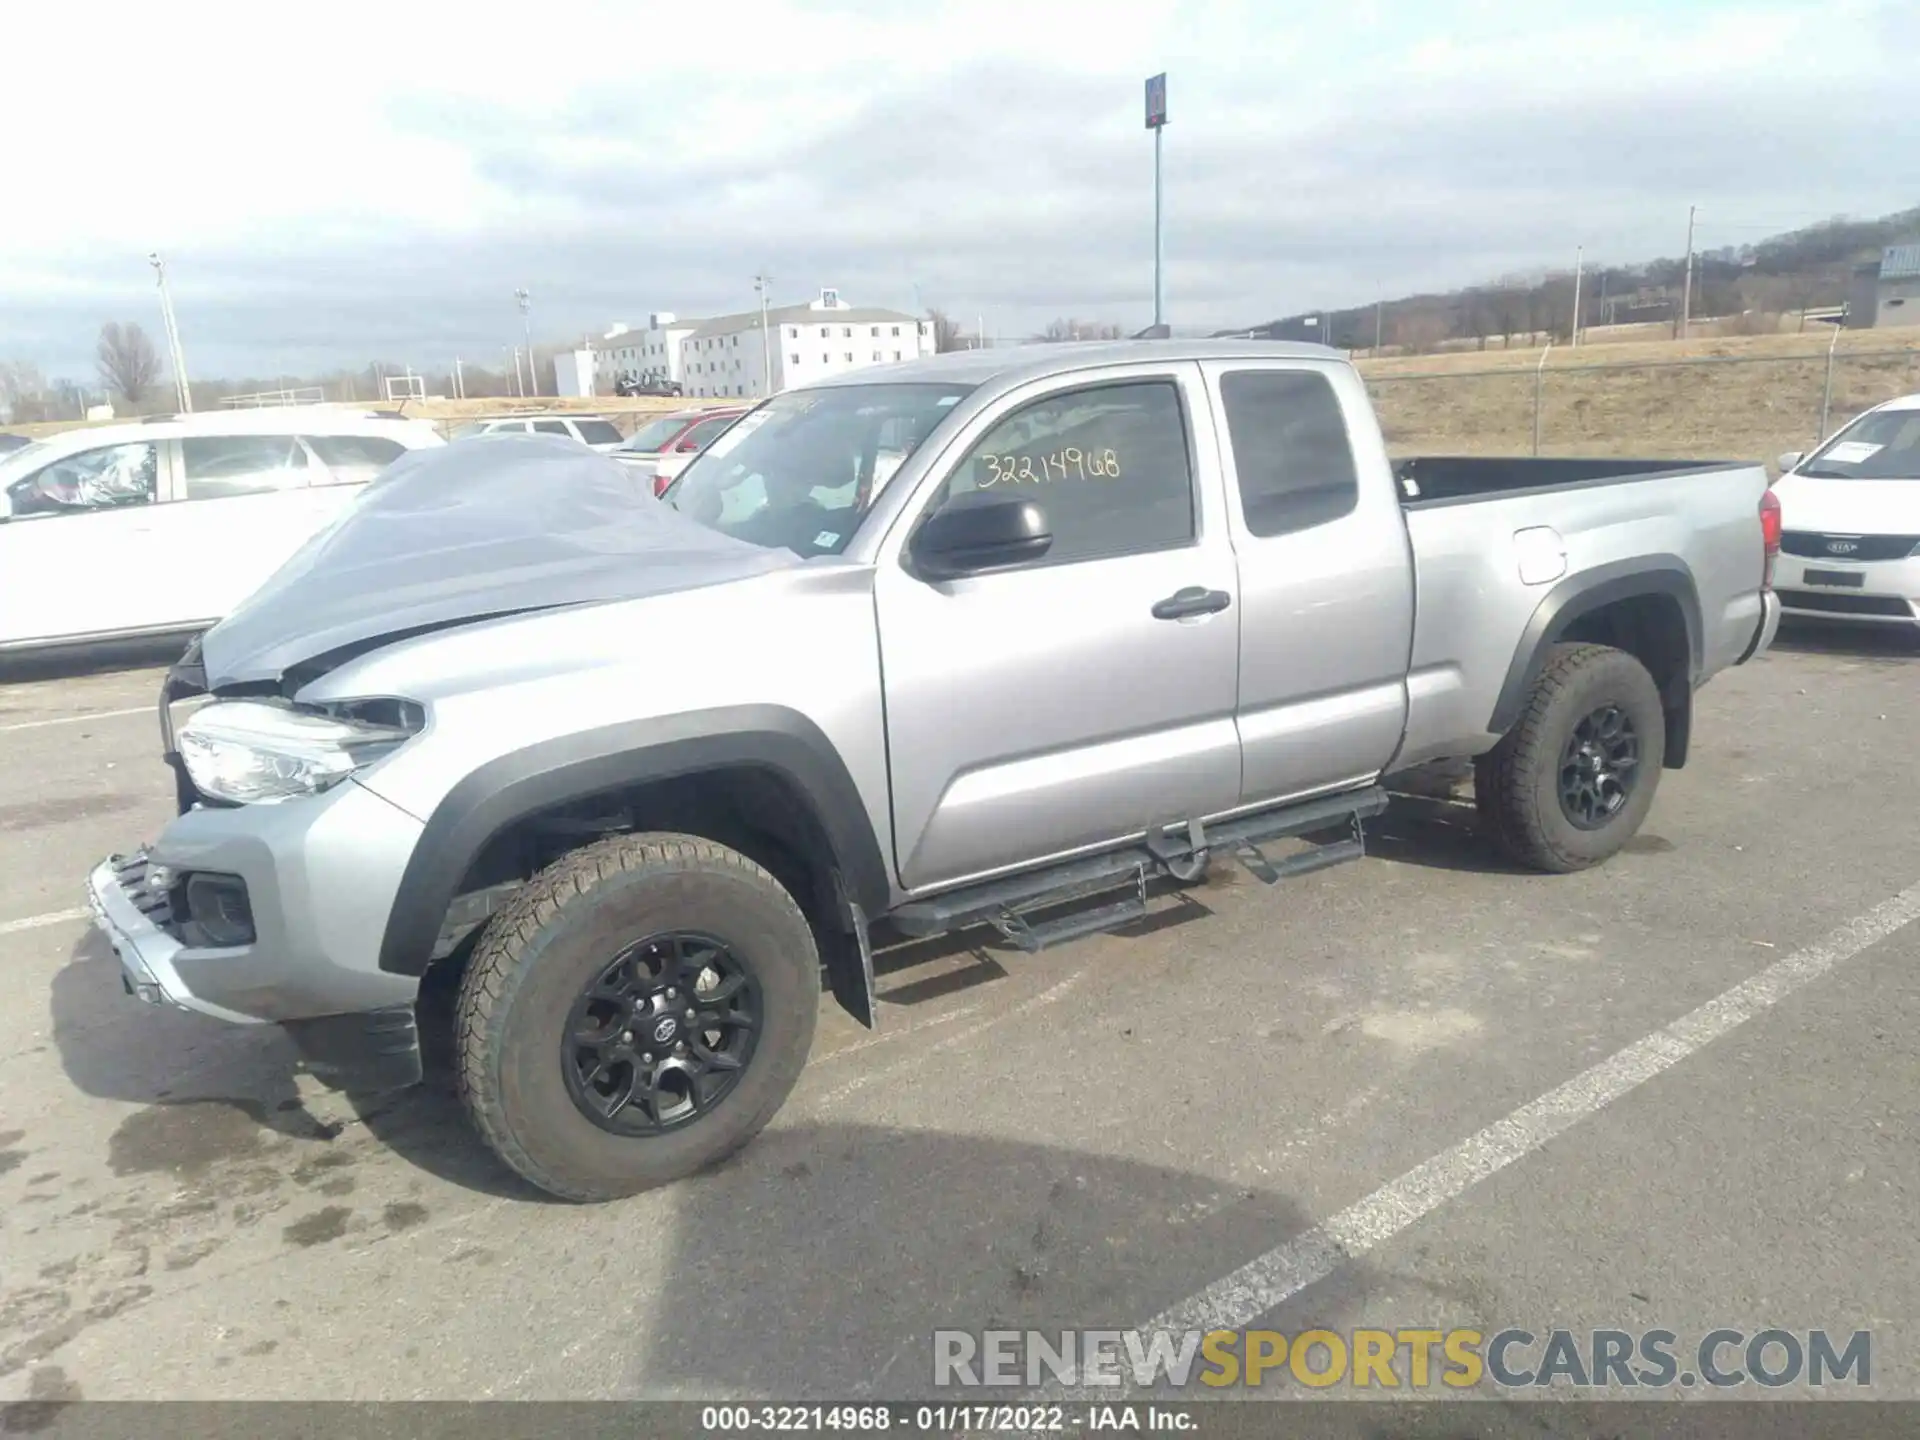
(688, 445)
(979, 532)
(1788, 460)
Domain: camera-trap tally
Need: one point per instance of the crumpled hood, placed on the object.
(496, 525)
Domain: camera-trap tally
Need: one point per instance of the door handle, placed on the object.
(1190, 601)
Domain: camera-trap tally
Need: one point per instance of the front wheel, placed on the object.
(638, 1012)
(1572, 781)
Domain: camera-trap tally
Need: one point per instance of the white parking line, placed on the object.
(1283, 1272)
(76, 719)
(35, 922)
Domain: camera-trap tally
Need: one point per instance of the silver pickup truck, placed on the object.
(1002, 639)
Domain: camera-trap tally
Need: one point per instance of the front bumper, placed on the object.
(130, 915)
(1886, 592)
(321, 874)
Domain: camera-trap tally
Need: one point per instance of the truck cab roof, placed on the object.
(1038, 361)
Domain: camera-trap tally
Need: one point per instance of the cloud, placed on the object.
(384, 196)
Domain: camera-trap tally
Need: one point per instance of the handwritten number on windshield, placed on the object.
(1071, 463)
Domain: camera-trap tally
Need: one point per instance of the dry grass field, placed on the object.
(1718, 398)
(1722, 397)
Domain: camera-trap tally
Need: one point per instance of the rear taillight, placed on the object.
(660, 483)
(1769, 535)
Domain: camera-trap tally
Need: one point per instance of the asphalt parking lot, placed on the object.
(1214, 1117)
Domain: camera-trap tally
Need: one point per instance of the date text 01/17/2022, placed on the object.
(946, 1419)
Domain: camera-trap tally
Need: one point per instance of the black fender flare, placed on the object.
(610, 757)
(1586, 592)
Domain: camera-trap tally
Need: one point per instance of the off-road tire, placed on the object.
(1516, 784)
(538, 953)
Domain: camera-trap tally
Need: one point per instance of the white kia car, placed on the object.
(161, 526)
(1850, 517)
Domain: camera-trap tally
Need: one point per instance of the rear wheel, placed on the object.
(1572, 781)
(640, 1011)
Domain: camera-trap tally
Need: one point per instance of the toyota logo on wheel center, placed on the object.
(664, 1031)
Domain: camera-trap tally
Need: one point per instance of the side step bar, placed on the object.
(1014, 905)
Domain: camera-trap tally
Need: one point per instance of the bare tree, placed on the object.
(128, 364)
(946, 332)
(23, 393)
(1476, 317)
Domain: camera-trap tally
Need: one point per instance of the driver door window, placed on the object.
(1108, 465)
(104, 479)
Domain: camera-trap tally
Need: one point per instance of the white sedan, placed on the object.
(161, 527)
(1850, 513)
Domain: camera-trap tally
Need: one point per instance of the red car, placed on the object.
(663, 446)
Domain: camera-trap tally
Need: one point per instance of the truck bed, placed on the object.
(1442, 479)
(1584, 522)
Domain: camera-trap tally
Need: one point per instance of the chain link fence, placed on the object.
(1704, 408)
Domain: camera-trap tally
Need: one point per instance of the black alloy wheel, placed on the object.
(662, 1034)
(1598, 767)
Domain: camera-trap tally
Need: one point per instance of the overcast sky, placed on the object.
(356, 181)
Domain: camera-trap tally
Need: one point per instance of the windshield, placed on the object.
(1884, 445)
(654, 435)
(800, 472)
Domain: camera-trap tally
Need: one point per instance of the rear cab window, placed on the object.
(1292, 458)
(598, 432)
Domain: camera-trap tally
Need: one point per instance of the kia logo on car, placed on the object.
(1842, 547)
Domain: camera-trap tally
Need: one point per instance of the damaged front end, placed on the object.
(268, 897)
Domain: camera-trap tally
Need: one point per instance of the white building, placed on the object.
(652, 350)
(729, 356)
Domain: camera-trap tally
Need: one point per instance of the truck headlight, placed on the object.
(253, 752)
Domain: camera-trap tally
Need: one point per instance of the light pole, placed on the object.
(526, 325)
(763, 282)
(1686, 281)
(1579, 264)
(183, 394)
(1157, 122)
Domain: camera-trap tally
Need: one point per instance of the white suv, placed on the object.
(162, 526)
(596, 432)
